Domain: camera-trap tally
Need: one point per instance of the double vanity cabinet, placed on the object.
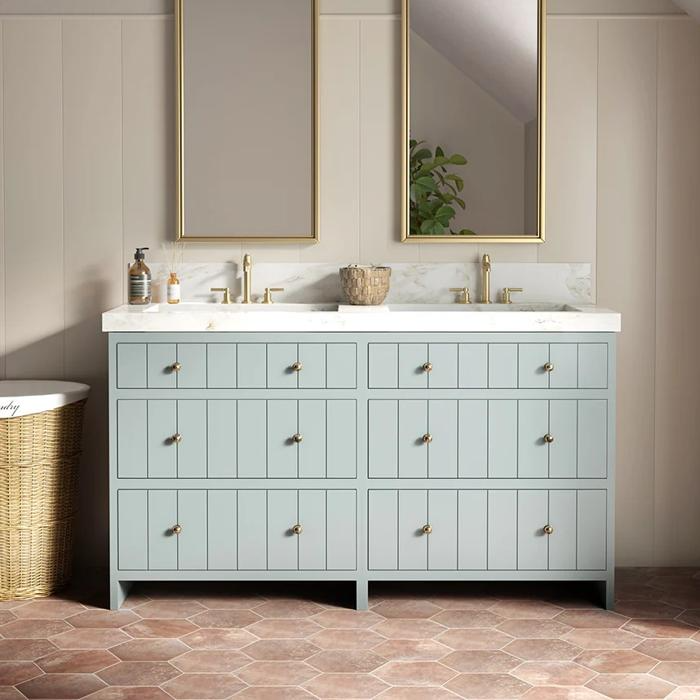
(360, 456)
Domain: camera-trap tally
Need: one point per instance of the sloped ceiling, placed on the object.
(492, 42)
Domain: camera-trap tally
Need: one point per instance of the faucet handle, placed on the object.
(226, 291)
(507, 291)
(267, 298)
(464, 292)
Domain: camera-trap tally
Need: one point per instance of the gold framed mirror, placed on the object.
(473, 121)
(247, 120)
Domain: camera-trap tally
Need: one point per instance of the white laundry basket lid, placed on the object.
(25, 396)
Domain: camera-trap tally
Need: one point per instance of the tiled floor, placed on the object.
(420, 641)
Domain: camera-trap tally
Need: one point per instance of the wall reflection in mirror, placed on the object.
(473, 116)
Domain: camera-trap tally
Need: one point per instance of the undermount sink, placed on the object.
(189, 307)
(534, 307)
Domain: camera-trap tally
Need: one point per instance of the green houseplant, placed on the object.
(434, 191)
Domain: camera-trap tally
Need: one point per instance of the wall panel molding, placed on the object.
(86, 7)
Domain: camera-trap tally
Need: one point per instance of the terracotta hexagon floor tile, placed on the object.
(203, 686)
(560, 693)
(265, 693)
(90, 639)
(682, 599)
(646, 609)
(14, 672)
(671, 649)
(419, 693)
(345, 685)
(34, 629)
(487, 685)
(346, 639)
(138, 673)
(412, 650)
(50, 608)
(218, 639)
(211, 661)
(115, 693)
(627, 591)
(281, 650)
(58, 686)
(7, 693)
(406, 609)
(689, 693)
(526, 609)
(553, 673)
(467, 618)
(632, 686)
(288, 608)
(481, 661)
(679, 672)
(463, 602)
(155, 629)
(347, 619)
(543, 650)
(277, 673)
(474, 639)
(231, 601)
(284, 629)
(170, 609)
(616, 661)
(225, 618)
(660, 628)
(415, 673)
(6, 616)
(77, 661)
(409, 629)
(534, 629)
(24, 649)
(103, 619)
(346, 661)
(690, 617)
(591, 619)
(603, 639)
(150, 649)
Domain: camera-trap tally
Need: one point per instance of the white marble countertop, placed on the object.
(397, 318)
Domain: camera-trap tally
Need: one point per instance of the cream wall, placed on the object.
(86, 146)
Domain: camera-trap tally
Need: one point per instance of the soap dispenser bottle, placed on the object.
(139, 279)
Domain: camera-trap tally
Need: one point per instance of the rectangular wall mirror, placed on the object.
(247, 120)
(473, 120)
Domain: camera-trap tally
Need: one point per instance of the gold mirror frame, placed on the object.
(405, 134)
(180, 82)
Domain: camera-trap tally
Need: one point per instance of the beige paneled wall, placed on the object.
(88, 173)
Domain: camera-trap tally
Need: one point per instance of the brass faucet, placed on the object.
(486, 280)
(247, 277)
(463, 294)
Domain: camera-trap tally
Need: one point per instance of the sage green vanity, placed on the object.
(361, 457)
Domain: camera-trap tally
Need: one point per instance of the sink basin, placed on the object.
(209, 308)
(534, 307)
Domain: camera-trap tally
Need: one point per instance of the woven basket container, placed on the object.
(365, 286)
(39, 456)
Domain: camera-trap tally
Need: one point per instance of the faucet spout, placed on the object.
(486, 279)
(247, 277)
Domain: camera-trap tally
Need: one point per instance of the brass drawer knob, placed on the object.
(427, 438)
(427, 529)
(177, 529)
(548, 367)
(297, 438)
(549, 438)
(428, 367)
(297, 529)
(297, 366)
(548, 529)
(175, 367)
(176, 439)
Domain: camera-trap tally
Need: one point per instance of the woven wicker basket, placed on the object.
(39, 456)
(365, 286)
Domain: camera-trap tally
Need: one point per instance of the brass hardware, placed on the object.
(548, 367)
(427, 529)
(297, 529)
(175, 367)
(507, 291)
(427, 367)
(267, 298)
(465, 297)
(297, 438)
(549, 438)
(227, 294)
(427, 438)
(297, 366)
(177, 529)
(548, 530)
(176, 439)
(247, 277)
(486, 279)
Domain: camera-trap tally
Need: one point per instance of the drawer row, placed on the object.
(318, 438)
(334, 366)
(316, 530)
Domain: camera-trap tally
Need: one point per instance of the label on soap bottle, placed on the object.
(174, 293)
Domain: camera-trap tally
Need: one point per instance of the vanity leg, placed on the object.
(362, 595)
(606, 591)
(118, 593)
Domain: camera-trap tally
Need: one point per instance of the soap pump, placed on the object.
(139, 279)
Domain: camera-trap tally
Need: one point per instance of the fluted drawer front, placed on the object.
(244, 530)
(489, 530)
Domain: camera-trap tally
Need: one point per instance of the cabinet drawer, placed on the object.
(480, 438)
(247, 530)
(251, 438)
(488, 366)
(161, 365)
(525, 530)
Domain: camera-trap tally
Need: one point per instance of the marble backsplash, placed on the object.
(411, 283)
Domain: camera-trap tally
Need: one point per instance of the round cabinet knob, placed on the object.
(548, 367)
(297, 529)
(297, 438)
(427, 438)
(427, 529)
(176, 439)
(548, 529)
(177, 529)
(428, 367)
(297, 366)
(549, 438)
(176, 367)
